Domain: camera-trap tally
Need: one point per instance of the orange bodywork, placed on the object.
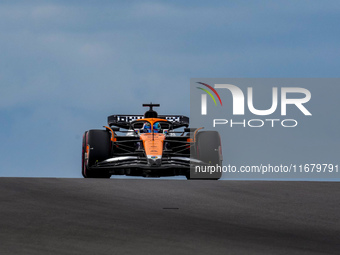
(113, 139)
(153, 142)
(153, 120)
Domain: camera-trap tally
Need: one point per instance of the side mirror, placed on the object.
(190, 130)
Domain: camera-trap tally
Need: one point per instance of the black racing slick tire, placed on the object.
(96, 148)
(208, 150)
(83, 150)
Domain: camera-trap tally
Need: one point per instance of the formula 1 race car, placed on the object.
(151, 146)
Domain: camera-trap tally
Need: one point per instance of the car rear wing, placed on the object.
(124, 121)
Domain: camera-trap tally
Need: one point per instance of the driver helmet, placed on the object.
(147, 127)
(157, 127)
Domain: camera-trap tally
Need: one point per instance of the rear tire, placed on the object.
(207, 149)
(99, 149)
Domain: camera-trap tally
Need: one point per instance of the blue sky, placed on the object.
(66, 65)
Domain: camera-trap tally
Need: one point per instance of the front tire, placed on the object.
(208, 150)
(96, 148)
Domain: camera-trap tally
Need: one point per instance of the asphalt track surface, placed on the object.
(143, 216)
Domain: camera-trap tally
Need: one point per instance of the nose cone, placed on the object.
(153, 146)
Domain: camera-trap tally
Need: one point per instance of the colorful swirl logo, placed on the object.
(209, 93)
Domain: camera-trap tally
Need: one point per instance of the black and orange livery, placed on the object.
(151, 145)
